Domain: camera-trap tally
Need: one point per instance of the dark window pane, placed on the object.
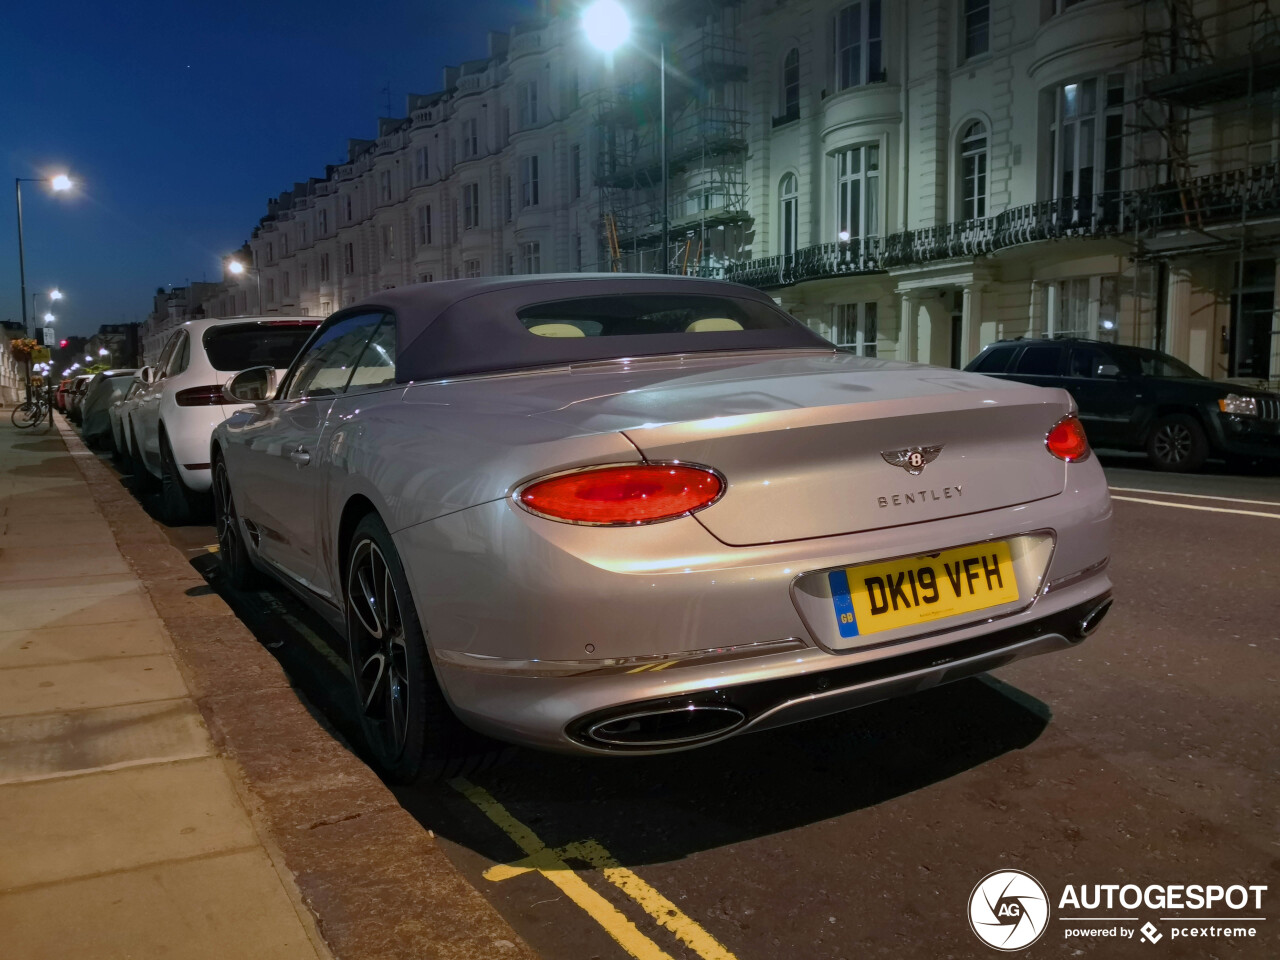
(1042, 360)
(243, 345)
(995, 360)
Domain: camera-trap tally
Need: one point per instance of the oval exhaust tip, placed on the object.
(669, 727)
(1093, 618)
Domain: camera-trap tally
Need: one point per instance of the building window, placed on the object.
(420, 165)
(1083, 307)
(346, 202)
(531, 254)
(973, 171)
(575, 171)
(858, 59)
(302, 234)
(791, 85)
(322, 222)
(789, 202)
(324, 268)
(528, 94)
(506, 124)
(384, 186)
(284, 283)
(1050, 8)
(1086, 140)
(470, 205)
(304, 277)
(577, 252)
(349, 258)
(858, 192)
(573, 91)
(507, 200)
(853, 326)
(271, 253)
(529, 181)
(470, 138)
(511, 264)
(426, 277)
(471, 268)
(271, 290)
(977, 27)
(424, 224)
(284, 245)
(326, 307)
(388, 242)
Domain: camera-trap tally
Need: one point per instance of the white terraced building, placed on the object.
(914, 179)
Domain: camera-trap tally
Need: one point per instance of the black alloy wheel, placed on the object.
(1177, 444)
(410, 730)
(233, 553)
(179, 505)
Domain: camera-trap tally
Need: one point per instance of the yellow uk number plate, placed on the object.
(873, 597)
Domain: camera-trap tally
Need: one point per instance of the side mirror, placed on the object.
(255, 385)
(1107, 370)
(147, 375)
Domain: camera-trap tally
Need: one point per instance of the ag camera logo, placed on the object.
(1008, 910)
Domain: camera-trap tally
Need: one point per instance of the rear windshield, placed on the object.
(268, 344)
(642, 314)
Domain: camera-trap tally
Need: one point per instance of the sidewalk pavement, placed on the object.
(163, 792)
(124, 832)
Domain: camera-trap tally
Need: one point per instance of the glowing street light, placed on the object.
(88, 359)
(61, 182)
(55, 294)
(103, 351)
(238, 269)
(49, 318)
(607, 27)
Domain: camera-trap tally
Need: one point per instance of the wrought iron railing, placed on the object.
(1214, 198)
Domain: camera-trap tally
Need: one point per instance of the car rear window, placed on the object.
(1045, 361)
(270, 343)
(995, 360)
(641, 314)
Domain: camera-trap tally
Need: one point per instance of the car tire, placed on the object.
(233, 553)
(409, 729)
(143, 479)
(1177, 443)
(179, 505)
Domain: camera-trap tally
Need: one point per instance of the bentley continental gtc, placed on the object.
(616, 514)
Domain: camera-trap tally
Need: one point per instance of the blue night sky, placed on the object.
(179, 121)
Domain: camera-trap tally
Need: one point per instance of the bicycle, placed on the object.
(30, 413)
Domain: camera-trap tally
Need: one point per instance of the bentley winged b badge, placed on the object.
(912, 459)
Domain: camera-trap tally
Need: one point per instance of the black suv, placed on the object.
(1136, 399)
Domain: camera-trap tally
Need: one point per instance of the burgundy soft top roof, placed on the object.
(459, 327)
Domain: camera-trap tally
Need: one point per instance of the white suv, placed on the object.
(171, 419)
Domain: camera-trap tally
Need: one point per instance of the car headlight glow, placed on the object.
(1240, 406)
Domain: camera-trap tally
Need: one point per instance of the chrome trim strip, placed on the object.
(594, 734)
(1076, 577)
(616, 665)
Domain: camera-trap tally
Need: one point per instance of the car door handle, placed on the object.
(300, 457)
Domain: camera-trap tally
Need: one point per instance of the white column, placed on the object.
(909, 328)
(975, 329)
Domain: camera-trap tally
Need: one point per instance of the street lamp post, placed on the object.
(237, 268)
(58, 183)
(607, 27)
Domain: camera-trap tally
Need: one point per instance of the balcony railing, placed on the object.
(1215, 198)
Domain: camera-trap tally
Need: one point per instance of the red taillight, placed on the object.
(199, 396)
(1067, 441)
(640, 493)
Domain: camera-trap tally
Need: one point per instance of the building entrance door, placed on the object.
(1252, 309)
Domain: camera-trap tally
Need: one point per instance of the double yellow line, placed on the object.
(551, 863)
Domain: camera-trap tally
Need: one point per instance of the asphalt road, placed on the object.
(1148, 755)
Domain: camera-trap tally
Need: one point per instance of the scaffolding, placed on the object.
(1205, 177)
(707, 211)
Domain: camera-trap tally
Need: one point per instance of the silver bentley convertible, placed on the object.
(622, 514)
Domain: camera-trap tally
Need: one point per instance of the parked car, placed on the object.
(1132, 398)
(173, 415)
(104, 389)
(60, 395)
(117, 415)
(623, 515)
(75, 394)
